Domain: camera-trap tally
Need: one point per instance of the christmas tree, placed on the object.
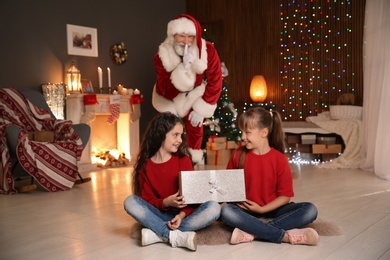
(224, 121)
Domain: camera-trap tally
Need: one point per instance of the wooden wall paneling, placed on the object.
(249, 44)
(248, 39)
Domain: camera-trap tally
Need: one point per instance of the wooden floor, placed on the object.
(88, 222)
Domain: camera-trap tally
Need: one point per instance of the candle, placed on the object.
(123, 91)
(100, 77)
(120, 88)
(109, 77)
(136, 92)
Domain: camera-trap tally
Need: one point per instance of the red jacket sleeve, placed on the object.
(213, 75)
(164, 86)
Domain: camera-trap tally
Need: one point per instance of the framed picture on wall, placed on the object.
(86, 86)
(82, 41)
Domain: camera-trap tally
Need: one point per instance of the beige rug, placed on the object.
(218, 233)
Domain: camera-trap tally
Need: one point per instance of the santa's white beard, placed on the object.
(179, 48)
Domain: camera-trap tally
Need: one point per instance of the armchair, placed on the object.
(12, 132)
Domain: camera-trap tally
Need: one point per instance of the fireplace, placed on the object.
(123, 134)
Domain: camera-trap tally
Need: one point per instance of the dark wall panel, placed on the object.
(33, 47)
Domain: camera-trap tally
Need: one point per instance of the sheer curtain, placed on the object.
(376, 97)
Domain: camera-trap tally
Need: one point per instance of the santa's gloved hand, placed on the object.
(188, 58)
(196, 119)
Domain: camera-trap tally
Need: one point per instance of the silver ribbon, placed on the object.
(215, 189)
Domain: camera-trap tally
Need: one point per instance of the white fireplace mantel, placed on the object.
(75, 109)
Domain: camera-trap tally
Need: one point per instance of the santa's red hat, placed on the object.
(185, 23)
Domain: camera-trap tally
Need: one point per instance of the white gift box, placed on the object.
(217, 185)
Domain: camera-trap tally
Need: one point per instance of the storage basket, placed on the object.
(308, 139)
(345, 112)
(326, 140)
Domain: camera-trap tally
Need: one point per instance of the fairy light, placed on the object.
(297, 158)
(314, 30)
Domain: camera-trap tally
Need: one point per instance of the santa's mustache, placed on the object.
(179, 47)
(182, 44)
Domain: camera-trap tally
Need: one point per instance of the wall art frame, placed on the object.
(86, 86)
(82, 40)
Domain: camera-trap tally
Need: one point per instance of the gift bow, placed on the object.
(214, 124)
(215, 188)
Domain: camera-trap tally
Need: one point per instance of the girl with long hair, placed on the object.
(268, 185)
(156, 203)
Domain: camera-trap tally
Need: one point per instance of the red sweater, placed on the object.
(162, 180)
(267, 176)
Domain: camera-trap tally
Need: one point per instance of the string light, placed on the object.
(316, 64)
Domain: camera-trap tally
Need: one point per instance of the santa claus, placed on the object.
(189, 78)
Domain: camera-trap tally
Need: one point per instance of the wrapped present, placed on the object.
(217, 139)
(217, 185)
(326, 148)
(221, 145)
(239, 144)
(218, 157)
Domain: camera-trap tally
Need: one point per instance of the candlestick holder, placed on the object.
(105, 90)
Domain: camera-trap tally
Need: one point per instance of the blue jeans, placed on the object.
(286, 217)
(151, 217)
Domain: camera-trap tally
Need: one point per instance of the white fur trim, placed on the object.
(200, 65)
(197, 155)
(185, 101)
(162, 104)
(181, 104)
(181, 25)
(171, 60)
(203, 108)
(183, 80)
(168, 55)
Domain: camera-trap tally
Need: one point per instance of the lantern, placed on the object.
(258, 89)
(73, 77)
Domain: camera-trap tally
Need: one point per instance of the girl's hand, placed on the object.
(256, 208)
(174, 201)
(176, 221)
(250, 206)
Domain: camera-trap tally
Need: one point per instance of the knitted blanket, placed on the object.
(53, 165)
(350, 131)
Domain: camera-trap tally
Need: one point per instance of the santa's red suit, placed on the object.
(181, 90)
